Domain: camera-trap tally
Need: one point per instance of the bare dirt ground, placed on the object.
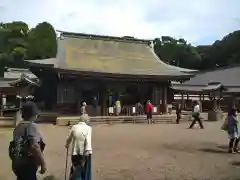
(141, 151)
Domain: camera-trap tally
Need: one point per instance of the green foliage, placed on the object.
(12, 35)
(177, 52)
(222, 53)
(4, 58)
(17, 43)
(42, 42)
(16, 57)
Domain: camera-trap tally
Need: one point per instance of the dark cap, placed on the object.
(29, 109)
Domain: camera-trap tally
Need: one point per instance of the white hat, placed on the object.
(84, 103)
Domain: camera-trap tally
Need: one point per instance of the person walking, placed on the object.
(94, 106)
(232, 129)
(83, 108)
(139, 108)
(178, 113)
(149, 109)
(118, 107)
(26, 148)
(80, 135)
(196, 116)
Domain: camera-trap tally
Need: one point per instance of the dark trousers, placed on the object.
(178, 118)
(149, 115)
(25, 172)
(195, 120)
(233, 144)
(94, 111)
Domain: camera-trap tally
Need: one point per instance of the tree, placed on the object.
(18, 43)
(222, 52)
(4, 58)
(42, 42)
(16, 57)
(13, 34)
(177, 52)
(13, 44)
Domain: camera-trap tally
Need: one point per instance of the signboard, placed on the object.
(110, 110)
(155, 109)
(133, 110)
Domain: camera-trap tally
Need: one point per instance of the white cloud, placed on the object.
(198, 21)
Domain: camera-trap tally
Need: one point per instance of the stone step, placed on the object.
(7, 122)
(130, 119)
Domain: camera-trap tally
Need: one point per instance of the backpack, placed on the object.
(19, 148)
(225, 125)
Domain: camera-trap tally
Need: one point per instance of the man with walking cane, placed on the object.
(196, 116)
(80, 135)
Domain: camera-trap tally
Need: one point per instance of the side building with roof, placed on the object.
(15, 82)
(105, 67)
(224, 80)
(14, 79)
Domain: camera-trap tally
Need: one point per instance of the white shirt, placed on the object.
(196, 109)
(81, 137)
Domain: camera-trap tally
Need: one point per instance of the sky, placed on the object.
(197, 21)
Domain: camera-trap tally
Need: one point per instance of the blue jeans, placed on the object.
(79, 172)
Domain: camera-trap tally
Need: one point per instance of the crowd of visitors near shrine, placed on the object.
(26, 148)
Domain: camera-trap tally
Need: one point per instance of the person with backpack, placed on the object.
(81, 137)
(26, 148)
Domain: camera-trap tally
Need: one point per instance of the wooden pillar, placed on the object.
(154, 90)
(4, 102)
(200, 102)
(104, 102)
(187, 101)
(182, 100)
(164, 99)
(233, 102)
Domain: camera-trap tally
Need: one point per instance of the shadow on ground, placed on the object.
(222, 146)
(51, 177)
(235, 163)
(212, 150)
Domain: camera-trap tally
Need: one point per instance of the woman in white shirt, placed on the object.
(83, 108)
(80, 136)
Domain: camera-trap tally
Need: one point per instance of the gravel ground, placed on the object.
(141, 151)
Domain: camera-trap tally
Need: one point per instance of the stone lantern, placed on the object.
(214, 89)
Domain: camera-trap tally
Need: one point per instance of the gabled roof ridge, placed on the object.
(174, 68)
(219, 68)
(90, 36)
